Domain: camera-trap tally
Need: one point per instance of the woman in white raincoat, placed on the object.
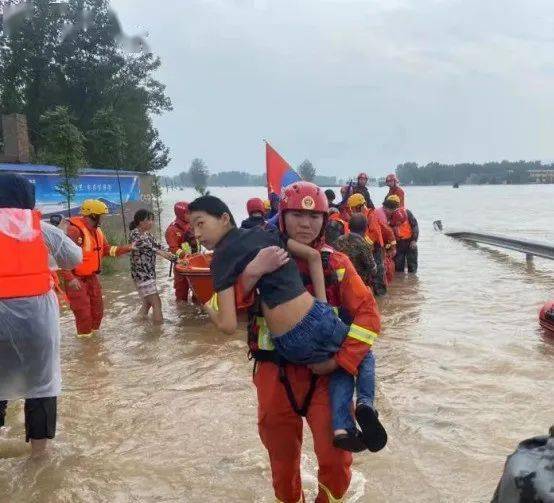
(29, 310)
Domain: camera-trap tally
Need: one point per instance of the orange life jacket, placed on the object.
(24, 268)
(93, 248)
(404, 230)
(373, 231)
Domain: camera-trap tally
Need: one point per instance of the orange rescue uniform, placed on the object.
(280, 427)
(86, 302)
(382, 237)
(177, 234)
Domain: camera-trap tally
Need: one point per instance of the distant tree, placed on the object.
(326, 181)
(306, 170)
(199, 175)
(75, 54)
(435, 173)
(62, 144)
(236, 179)
(183, 179)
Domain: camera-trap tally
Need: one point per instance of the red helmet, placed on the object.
(362, 175)
(391, 178)
(255, 205)
(181, 210)
(305, 196)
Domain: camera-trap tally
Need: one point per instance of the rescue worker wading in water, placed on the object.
(406, 230)
(180, 239)
(394, 189)
(81, 284)
(286, 392)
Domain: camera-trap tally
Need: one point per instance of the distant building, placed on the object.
(542, 175)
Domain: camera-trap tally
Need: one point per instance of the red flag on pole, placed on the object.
(278, 171)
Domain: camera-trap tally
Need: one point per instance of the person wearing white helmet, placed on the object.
(81, 283)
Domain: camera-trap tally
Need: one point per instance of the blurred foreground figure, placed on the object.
(529, 473)
(29, 310)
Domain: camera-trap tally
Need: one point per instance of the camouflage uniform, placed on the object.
(360, 253)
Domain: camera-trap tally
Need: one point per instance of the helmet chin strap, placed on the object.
(95, 220)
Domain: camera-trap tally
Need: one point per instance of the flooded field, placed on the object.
(169, 414)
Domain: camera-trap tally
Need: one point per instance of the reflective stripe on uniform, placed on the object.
(362, 334)
(113, 251)
(340, 273)
(330, 497)
(213, 302)
(264, 338)
(185, 247)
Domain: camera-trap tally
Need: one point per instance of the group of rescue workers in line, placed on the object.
(344, 253)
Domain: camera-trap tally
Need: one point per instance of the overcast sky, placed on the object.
(352, 84)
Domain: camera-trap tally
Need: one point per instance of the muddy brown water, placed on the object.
(169, 413)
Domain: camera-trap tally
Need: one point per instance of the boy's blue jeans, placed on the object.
(316, 338)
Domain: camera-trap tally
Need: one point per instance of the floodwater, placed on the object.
(169, 414)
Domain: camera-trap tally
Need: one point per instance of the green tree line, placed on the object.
(236, 179)
(198, 176)
(69, 64)
(434, 173)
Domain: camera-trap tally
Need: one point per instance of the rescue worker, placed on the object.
(389, 258)
(361, 188)
(406, 230)
(29, 310)
(286, 392)
(344, 210)
(256, 215)
(82, 286)
(180, 239)
(380, 236)
(391, 181)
